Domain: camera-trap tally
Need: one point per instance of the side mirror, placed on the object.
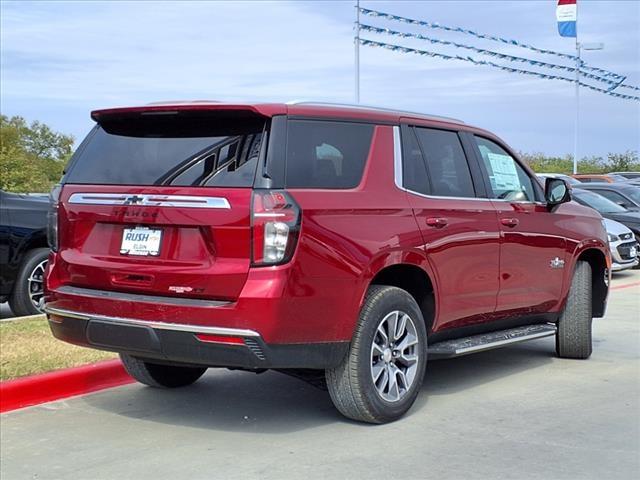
(556, 191)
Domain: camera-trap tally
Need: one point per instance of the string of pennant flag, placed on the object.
(512, 58)
(427, 53)
(612, 79)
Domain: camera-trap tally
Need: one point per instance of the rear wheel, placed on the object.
(573, 338)
(158, 375)
(381, 375)
(27, 297)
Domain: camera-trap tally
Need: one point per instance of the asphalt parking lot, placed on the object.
(517, 412)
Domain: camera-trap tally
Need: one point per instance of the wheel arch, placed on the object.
(601, 276)
(36, 239)
(410, 272)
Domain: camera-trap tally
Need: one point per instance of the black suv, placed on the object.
(23, 251)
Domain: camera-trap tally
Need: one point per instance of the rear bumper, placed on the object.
(178, 343)
(281, 304)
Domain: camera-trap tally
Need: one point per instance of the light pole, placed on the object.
(579, 48)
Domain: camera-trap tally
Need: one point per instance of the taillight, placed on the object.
(275, 221)
(52, 218)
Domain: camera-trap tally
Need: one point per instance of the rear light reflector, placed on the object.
(275, 225)
(226, 339)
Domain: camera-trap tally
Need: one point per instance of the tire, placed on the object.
(29, 284)
(573, 338)
(351, 384)
(158, 375)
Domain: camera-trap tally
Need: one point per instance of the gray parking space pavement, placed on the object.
(517, 412)
(5, 311)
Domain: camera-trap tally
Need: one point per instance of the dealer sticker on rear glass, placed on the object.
(141, 241)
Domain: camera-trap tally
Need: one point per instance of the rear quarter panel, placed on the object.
(347, 236)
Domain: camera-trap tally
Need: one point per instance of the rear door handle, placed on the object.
(437, 222)
(510, 222)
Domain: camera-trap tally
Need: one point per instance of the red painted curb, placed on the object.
(59, 384)
(628, 285)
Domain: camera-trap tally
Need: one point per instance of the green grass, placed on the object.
(28, 347)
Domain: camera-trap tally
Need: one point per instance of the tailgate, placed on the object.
(159, 203)
(203, 250)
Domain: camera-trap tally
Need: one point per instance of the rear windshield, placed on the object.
(326, 154)
(162, 151)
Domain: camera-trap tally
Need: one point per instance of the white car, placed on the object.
(623, 245)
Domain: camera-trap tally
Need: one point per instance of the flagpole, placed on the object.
(357, 53)
(577, 125)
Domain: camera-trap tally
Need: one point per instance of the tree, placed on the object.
(32, 157)
(623, 162)
(615, 162)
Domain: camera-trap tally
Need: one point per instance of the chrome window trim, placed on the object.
(397, 158)
(149, 200)
(179, 327)
(397, 175)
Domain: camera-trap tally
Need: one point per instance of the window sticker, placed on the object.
(505, 175)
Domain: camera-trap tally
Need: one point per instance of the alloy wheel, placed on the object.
(395, 353)
(35, 284)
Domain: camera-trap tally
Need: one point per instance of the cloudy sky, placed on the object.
(62, 59)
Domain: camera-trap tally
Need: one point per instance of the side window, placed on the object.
(509, 181)
(447, 166)
(414, 173)
(237, 163)
(324, 154)
(613, 196)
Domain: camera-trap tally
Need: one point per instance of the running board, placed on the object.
(478, 343)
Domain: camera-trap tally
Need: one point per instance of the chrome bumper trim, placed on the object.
(179, 327)
(140, 297)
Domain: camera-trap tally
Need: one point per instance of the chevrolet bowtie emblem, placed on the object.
(556, 263)
(134, 200)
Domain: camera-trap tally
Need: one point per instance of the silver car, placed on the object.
(623, 245)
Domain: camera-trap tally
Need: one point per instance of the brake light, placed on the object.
(52, 217)
(275, 221)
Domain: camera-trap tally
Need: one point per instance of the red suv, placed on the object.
(330, 242)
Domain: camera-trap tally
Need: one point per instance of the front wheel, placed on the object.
(380, 377)
(573, 338)
(159, 375)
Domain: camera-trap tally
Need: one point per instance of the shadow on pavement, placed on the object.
(274, 403)
(445, 377)
(623, 275)
(231, 401)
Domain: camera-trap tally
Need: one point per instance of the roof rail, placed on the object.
(181, 102)
(372, 107)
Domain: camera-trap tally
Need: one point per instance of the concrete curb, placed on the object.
(19, 319)
(60, 384)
